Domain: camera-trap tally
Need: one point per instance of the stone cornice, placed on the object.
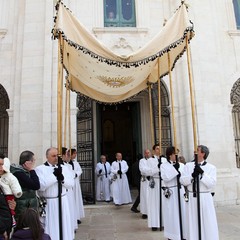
(3, 32)
(234, 33)
(119, 30)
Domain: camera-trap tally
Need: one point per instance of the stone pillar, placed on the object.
(10, 134)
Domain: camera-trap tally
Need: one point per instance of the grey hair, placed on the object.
(49, 149)
(205, 150)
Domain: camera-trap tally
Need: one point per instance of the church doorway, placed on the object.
(120, 131)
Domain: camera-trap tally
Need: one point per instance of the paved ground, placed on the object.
(108, 222)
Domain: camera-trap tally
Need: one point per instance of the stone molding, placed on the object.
(234, 33)
(3, 33)
(119, 30)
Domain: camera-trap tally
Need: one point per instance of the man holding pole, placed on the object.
(49, 176)
(206, 174)
(155, 209)
(174, 227)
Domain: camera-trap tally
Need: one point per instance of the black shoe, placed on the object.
(144, 216)
(134, 210)
(154, 229)
(79, 222)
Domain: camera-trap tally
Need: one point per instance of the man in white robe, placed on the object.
(103, 170)
(48, 177)
(154, 212)
(206, 173)
(77, 187)
(70, 194)
(144, 184)
(120, 187)
(170, 172)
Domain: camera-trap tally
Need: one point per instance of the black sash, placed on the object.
(105, 169)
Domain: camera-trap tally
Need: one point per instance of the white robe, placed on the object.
(77, 191)
(144, 184)
(49, 190)
(120, 188)
(209, 226)
(71, 200)
(171, 206)
(103, 182)
(153, 194)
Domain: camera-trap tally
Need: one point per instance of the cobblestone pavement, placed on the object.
(105, 221)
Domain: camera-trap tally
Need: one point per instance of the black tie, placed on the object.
(105, 170)
(120, 169)
(71, 162)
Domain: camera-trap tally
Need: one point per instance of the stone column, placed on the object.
(10, 133)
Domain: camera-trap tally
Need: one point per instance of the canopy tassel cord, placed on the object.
(175, 145)
(151, 111)
(196, 180)
(59, 130)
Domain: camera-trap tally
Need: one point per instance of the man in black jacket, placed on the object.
(28, 180)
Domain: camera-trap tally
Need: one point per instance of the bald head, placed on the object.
(118, 156)
(147, 153)
(52, 155)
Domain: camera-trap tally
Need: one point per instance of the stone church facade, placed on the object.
(28, 85)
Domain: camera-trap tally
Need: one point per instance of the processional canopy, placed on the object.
(97, 72)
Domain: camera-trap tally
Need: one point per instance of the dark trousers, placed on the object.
(137, 201)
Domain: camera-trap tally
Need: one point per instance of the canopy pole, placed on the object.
(59, 131)
(151, 111)
(69, 121)
(65, 119)
(160, 144)
(159, 110)
(176, 151)
(196, 192)
(172, 103)
(59, 97)
(192, 96)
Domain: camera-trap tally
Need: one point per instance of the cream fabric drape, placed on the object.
(97, 72)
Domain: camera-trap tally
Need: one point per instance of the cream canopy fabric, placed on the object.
(97, 72)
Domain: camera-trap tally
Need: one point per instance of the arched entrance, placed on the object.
(4, 120)
(117, 129)
(235, 100)
(165, 117)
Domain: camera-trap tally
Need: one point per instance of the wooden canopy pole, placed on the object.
(151, 111)
(65, 119)
(160, 146)
(192, 96)
(159, 110)
(176, 151)
(196, 192)
(59, 97)
(69, 121)
(59, 131)
(172, 103)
